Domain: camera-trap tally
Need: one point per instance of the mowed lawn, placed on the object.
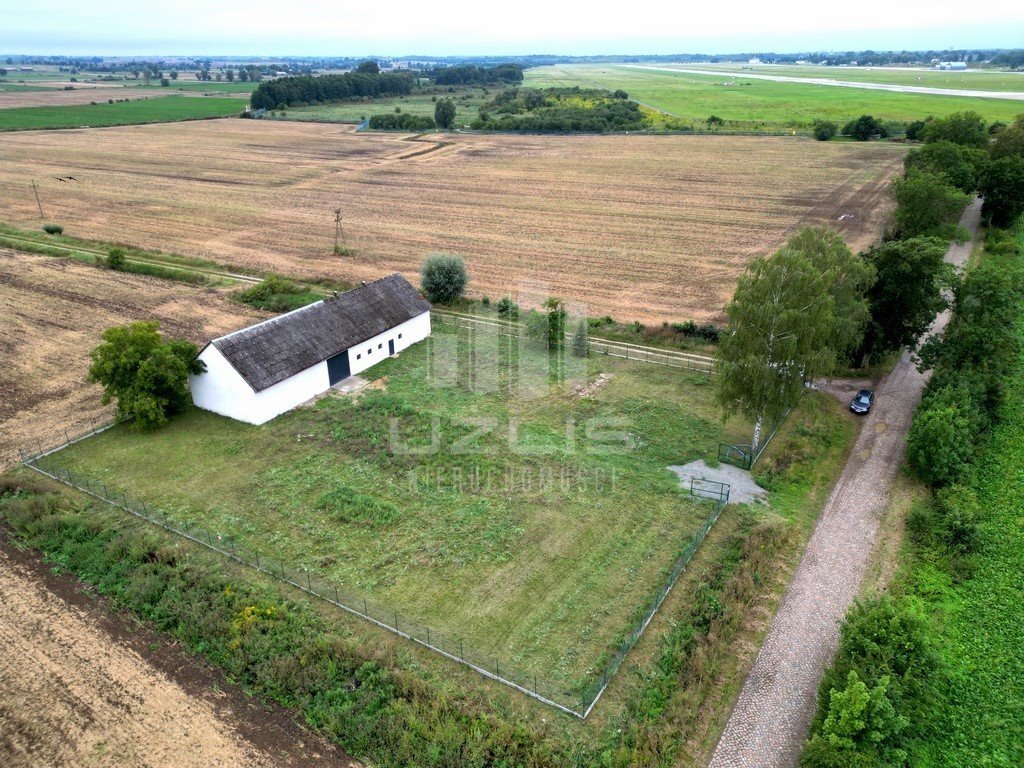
(473, 491)
(164, 109)
(757, 105)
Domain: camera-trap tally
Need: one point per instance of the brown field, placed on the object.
(52, 312)
(82, 687)
(61, 98)
(639, 227)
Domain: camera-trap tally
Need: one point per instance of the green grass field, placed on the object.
(467, 102)
(528, 545)
(975, 79)
(761, 105)
(158, 110)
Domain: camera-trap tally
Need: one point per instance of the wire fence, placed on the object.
(671, 358)
(565, 698)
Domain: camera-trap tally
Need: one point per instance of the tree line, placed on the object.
(560, 110)
(471, 74)
(309, 89)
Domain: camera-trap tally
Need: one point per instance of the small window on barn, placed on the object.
(359, 357)
(399, 335)
(380, 346)
(369, 350)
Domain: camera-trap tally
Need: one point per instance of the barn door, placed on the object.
(338, 368)
(391, 346)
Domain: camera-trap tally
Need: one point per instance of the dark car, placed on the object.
(862, 401)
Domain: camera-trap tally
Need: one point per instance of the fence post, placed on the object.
(257, 554)
(365, 611)
(309, 581)
(462, 653)
(428, 635)
(336, 598)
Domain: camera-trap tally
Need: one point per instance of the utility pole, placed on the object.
(337, 227)
(34, 189)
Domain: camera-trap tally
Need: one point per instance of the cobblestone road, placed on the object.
(768, 726)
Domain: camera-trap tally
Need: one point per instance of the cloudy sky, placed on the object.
(396, 27)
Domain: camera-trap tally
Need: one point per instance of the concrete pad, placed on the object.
(742, 488)
(349, 385)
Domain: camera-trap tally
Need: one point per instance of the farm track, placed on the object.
(772, 716)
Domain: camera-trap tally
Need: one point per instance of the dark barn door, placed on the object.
(338, 368)
(391, 346)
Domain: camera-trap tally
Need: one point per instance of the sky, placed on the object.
(461, 27)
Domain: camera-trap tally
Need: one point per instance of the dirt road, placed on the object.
(768, 726)
(81, 686)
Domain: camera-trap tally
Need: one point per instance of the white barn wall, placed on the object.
(365, 355)
(222, 390)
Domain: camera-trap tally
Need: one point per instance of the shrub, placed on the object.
(915, 130)
(508, 308)
(824, 129)
(715, 120)
(958, 511)
(115, 259)
(276, 294)
(401, 121)
(964, 128)
(444, 113)
(926, 204)
(960, 166)
(941, 438)
(443, 278)
(580, 340)
(53, 229)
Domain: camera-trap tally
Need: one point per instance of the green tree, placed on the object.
(444, 113)
(824, 129)
(915, 130)
(959, 165)
(865, 127)
(964, 128)
(581, 339)
(780, 335)
(1002, 186)
(848, 276)
(910, 276)
(147, 375)
(926, 204)
(229, 74)
(174, 74)
(368, 67)
(443, 278)
(859, 720)
(1009, 142)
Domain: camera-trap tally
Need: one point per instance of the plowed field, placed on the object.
(638, 227)
(52, 313)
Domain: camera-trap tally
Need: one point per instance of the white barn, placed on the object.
(262, 371)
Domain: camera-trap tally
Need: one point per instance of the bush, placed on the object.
(926, 204)
(824, 129)
(401, 121)
(958, 511)
(53, 229)
(443, 278)
(508, 308)
(960, 166)
(964, 128)
(115, 259)
(276, 294)
(915, 130)
(444, 113)
(941, 438)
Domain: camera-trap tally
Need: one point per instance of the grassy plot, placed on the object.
(534, 529)
(973, 80)
(163, 110)
(467, 103)
(761, 105)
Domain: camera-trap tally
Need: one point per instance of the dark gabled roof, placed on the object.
(270, 352)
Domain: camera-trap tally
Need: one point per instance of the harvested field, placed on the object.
(81, 687)
(52, 313)
(57, 97)
(638, 227)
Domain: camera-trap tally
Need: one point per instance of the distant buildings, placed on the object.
(953, 66)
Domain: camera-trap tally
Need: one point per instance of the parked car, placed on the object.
(862, 401)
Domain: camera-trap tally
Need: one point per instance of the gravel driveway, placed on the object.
(773, 714)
